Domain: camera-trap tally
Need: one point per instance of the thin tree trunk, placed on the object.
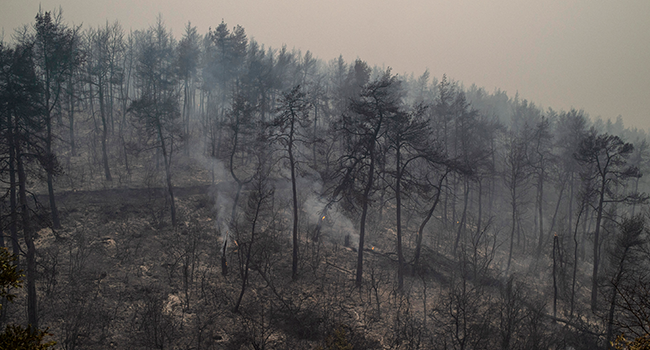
(111, 117)
(599, 218)
(398, 214)
(231, 226)
(56, 223)
(571, 195)
(240, 184)
(609, 334)
(453, 200)
(73, 150)
(479, 216)
(364, 214)
(575, 259)
(3, 245)
(555, 246)
(461, 223)
(168, 175)
(540, 206)
(313, 146)
(557, 209)
(445, 203)
(248, 255)
(13, 228)
(124, 96)
(513, 229)
(493, 181)
(636, 190)
(418, 239)
(294, 193)
(32, 308)
(102, 113)
(185, 116)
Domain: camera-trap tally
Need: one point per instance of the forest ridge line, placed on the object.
(309, 161)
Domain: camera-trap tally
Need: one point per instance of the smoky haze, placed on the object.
(589, 55)
(344, 175)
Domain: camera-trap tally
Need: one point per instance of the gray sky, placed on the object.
(587, 54)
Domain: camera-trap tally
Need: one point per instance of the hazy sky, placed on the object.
(587, 54)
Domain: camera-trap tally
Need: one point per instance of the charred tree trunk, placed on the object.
(73, 150)
(13, 225)
(631, 232)
(124, 97)
(102, 113)
(555, 246)
(32, 308)
(461, 222)
(364, 213)
(513, 228)
(240, 185)
(599, 218)
(540, 210)
(557, 209)
(571, 195)
(294, 193)
(186, 107)
(398, 214)
(479, 215)
(56, 222)
(575, 259)
(418, 239)
(636, 190)
(168, 174)
(248, 253)
(49, 166)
